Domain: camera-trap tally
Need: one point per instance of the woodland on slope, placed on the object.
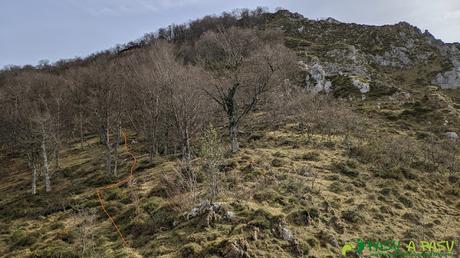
(256, 134)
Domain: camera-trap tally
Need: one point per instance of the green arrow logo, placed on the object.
(347, 248)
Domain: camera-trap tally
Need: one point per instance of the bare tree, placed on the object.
(105, 101)
(78, 98)
(187, 105)
(41, 115)
(245, 65)
(33, 164)
(57, 97)
(168, 91)
(18, 128)
(46, 165)
(110, 105)
(145, 95)
(185, 100)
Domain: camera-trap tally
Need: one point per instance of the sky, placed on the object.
(32, 30)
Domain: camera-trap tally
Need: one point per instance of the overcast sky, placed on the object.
(32, 30)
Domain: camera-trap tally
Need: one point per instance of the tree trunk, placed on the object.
(152, 148)
(33, 166)
(186, 155)
(232, 119)
(165, 142)
(151, 152)
(45, 162)
(103, 134)
(34, 179)
(58, 135)
(108, 149)
(117, 144)
(56, 155)
(234, 138)
(81, 130)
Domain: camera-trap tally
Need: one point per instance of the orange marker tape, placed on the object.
(127, 180)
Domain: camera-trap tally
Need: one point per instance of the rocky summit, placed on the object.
(369, 54)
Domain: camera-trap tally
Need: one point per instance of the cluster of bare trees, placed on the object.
(34, 116)
(152, 91)
(316, 114)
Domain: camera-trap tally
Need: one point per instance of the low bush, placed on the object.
(352, 216)
(346, 170)
(21, 238)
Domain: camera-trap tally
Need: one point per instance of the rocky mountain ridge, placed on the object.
(367, 53)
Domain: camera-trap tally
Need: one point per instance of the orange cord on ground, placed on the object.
(127, 180)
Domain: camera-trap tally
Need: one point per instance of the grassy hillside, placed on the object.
(285, 194)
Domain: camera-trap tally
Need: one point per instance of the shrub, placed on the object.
(20, 238)
(346, 170)
(342, 87)
(302, 216)
(412, 217)
(277, 162)
(336, 187)
(311, 156)
(151, 204)
(263, 219)
(406, 201)
(386, 191)
(191, 250)
(56, 248)
(408, 173)
(378, 89)
(266, 195)
(328, 144)
(391, 173)
(389, 155)
(352, 216)
(228, 165)
(164, 216)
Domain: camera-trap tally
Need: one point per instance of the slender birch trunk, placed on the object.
(81, 129)
(186, 153)
(45, 161)
(34, 179)
(58, 136)
(108, 148)
(33, 166)
(152, 148)
(233, 132)
(117, 144)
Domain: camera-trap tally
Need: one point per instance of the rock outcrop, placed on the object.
(450, 78)
(331, 48)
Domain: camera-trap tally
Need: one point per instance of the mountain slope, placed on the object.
(371, 160)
